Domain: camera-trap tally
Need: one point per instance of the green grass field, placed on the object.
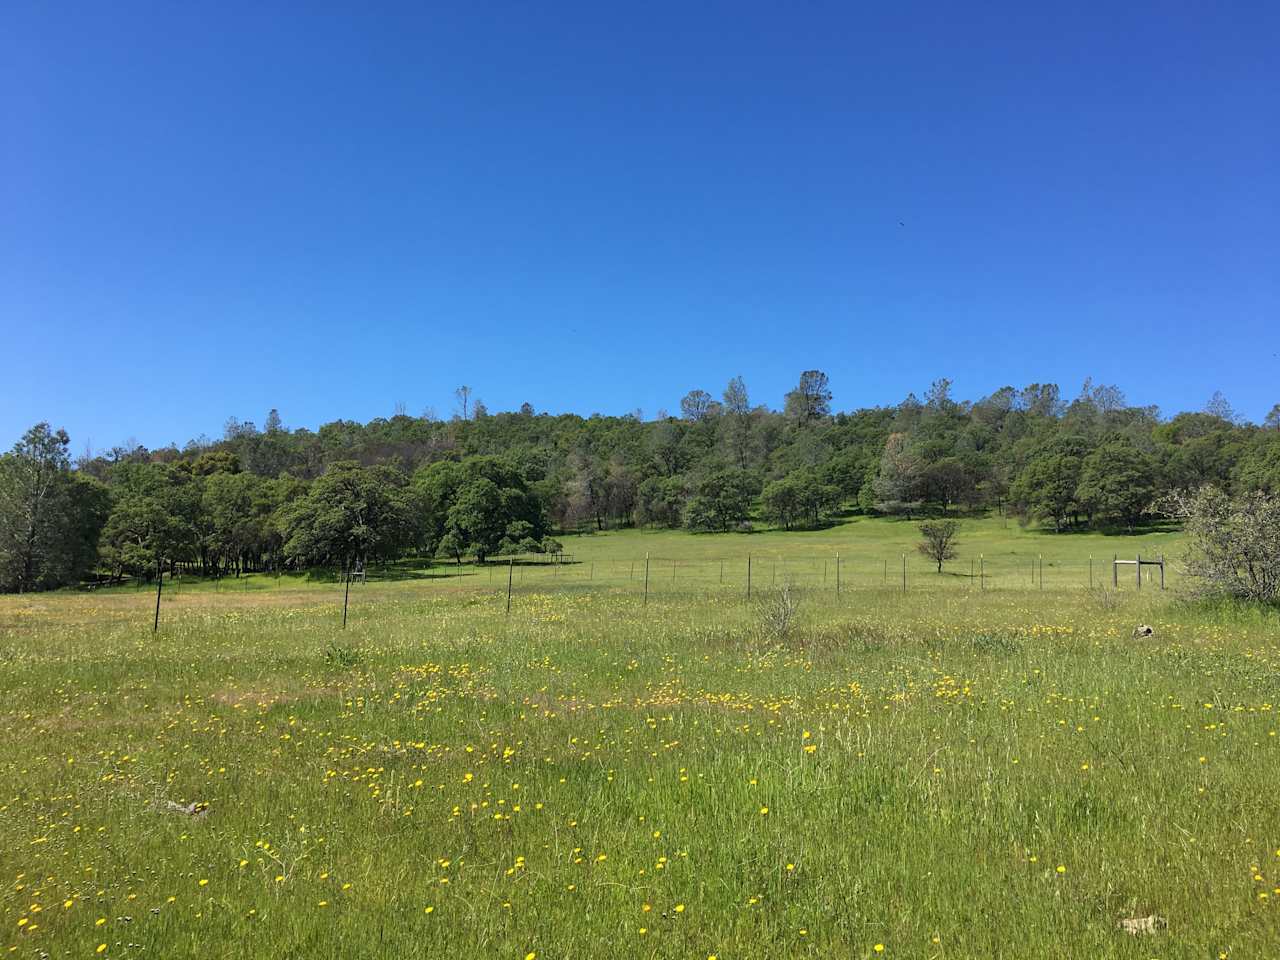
(961, 770)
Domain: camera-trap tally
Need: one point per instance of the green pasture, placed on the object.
(949, 772)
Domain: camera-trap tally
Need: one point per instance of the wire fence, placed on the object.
(835, 573)
(750, 575)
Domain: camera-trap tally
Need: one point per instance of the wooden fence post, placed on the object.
(345, 596)
(646, 579)
(511, 569)
(155, 626)
(837, 572)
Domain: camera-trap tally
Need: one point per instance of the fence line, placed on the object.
(837, 573)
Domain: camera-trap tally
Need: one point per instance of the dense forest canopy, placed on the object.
(483, 484)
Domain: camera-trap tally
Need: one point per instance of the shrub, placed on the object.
(342, 657)
(776, 613)
(1233, 544)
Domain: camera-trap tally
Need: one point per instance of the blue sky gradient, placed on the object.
(211, 210)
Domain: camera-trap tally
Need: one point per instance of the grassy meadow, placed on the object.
(966, 769)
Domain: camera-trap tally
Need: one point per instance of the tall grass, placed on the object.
(946, 773)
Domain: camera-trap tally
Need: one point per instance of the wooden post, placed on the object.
(511, 569)
(1115, 571)
(591, 571)
(673, 570)
(345, 595)
(904, 573)
(1042, 571)
(646, 579)
(1091, 571)
(159, 586)
(1138, 565)
(1162, 571)
(722, 571)
(748, 576)
(982, 572)
(837, 573)
(886, 570)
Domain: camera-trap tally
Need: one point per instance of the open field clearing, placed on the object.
(952, 772)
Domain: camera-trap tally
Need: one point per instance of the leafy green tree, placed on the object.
(30, 487)
(783, 501)
(439, 487)
(215, 461)
(1046, 488)
(50, 519)
(721, 499)
(477, 518)
(1204, 460)
(154, 518)
(351, 513)
(1259, 467)
(1117, 482)
(799, 498)
(519, 538)
(948, 481)
(661, 501)
(236, 515)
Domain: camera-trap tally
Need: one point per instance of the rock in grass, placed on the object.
(196, 808)
(1144, 630)
(1135, 926)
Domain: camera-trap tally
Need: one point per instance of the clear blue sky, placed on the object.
(209, 210)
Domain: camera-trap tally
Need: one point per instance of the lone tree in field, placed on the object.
(1233, 545)
(939, 543)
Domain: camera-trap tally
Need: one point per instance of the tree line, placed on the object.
(482, 484)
